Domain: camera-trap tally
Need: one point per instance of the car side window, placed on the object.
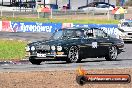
(68, 33)
(102, 6)
(125, 24)
(89, 33)
(99, 34)
(79, 33)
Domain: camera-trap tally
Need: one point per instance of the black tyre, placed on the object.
(113, 53)
(35, 61)
(73, 55)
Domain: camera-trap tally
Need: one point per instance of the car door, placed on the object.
(103, 42)
(90, 45)
(89, 9)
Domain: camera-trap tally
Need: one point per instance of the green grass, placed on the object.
(82, 21)
(12, 49)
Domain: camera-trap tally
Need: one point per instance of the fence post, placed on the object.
(38, 14)
(87, 12)
(24, 8)
(51, 15)
(13, 13)
(108, 14)
(1, 11)
(124, 15)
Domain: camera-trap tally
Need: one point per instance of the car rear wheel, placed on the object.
(35, 61)
(73, 55)
(113, 53)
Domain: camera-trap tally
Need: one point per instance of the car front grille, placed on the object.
(43, 47)
(42, 51)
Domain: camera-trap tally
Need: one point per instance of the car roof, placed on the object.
(95, 3)
(74, 28)
(99, 3)
(78, 28)
(102, 2)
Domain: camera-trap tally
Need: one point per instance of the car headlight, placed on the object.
(59, 48)
(32, 48)
(27, 48)
(53, 47)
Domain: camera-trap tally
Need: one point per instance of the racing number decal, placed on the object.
(94, 45)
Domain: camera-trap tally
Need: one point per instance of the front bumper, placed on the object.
(44, 56)
(127, 37)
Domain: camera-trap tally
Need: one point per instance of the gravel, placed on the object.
(56, 79)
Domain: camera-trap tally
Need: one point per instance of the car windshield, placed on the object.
(57, 35)
(127, 24)
(102, 6)
(67, 33)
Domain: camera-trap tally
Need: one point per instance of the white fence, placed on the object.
(58, 14)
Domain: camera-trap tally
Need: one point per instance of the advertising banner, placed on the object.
(65, 25)
(9, 26)
(34, 27)
(6, 26)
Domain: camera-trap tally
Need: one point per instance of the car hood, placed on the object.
(55, 42)
(126, 29)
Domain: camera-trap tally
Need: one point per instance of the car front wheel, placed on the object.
(73, 55)
(35, 61)
(113, 53)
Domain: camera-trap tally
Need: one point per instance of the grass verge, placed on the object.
(82, 21)
(12, 49)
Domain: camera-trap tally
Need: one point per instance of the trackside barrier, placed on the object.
(35, 27)
(9, 26)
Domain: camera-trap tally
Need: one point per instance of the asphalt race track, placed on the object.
(124, 59)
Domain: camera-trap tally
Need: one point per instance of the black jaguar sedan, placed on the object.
(74, 44)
